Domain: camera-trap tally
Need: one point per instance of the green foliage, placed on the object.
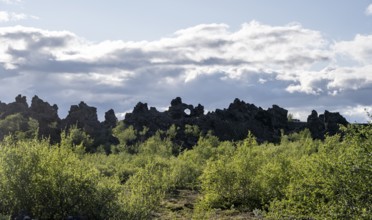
(192, 130)
(229, 180)
(300, 178)
(19, 127)
(172, 132)
(190, 164)
(120, 166)
(76, 139)
(155, 145)
(144, 190)
(333, 183)
(125, 135)
(51, 182)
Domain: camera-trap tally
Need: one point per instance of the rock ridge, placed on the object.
(232, 123)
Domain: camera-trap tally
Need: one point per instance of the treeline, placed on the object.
(298, 178)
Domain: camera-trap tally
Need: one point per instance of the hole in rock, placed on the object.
(187, 111)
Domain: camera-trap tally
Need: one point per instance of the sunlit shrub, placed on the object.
(50, 182)
(333, 183)
(145, 189)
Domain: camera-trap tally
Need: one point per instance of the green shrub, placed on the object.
(50, 182)
(300, 178)
(145, 189)
(333, 183)
(76, 139)
(155, 145)
(19, 127)
(126, 136)
(250, 176)
(189, 165)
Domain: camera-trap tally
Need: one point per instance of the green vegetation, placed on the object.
(19, 126)
(300, 178)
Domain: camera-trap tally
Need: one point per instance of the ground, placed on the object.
(180, 205)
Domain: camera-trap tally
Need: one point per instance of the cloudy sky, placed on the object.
(300, 55)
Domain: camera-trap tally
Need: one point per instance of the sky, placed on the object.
(300, 55)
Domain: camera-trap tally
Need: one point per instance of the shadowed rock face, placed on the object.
(327, 123)
(19, 106)
(110, 119)
(85, 118)
(47, 117)
(50, 125)
(232, 123)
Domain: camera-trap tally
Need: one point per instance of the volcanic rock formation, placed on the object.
(51, 126)
(232, 123)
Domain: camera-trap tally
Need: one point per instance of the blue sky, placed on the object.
(301, 55)
(150, 20)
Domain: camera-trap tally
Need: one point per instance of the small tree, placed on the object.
(76, 139)
(126, 137)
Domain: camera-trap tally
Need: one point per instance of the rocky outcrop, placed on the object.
(239, 118)
(227, 124)
(85, 118)
(110, 119)
(51, 126)
(110, 122)
(19, 106)
(327, 123)
(232, 123)
(47, 117)
(316, 125)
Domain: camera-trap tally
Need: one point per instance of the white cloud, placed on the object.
(11, 1)
(12, 16)
(207, 63)
(359, 49)
(359, 112)
(369, 10)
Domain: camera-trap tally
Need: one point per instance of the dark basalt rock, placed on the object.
(279, 117)
(315, 125)
(85, 118)
(2, 107)
(47, 117)
(50, 125)
(232, 123)
(106, 138)
(228, 124)
(19, 106)
(151, 118)
(45, 114)
(327, 123)
(332, 120)
(110, 119)
(179, 110)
